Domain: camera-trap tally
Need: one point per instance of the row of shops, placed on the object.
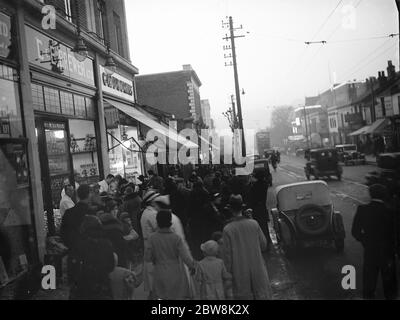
(60, 119)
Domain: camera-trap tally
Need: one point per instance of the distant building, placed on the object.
(205, 112)
(175, 92)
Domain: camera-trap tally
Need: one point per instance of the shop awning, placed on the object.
(360, 131)
(146, 120)
(377, 127)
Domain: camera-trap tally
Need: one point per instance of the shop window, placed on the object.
(67, 103)
(84, 151)
(52, 100)
(37, 97)
(10, 110)
(90, 111)
(80, 106)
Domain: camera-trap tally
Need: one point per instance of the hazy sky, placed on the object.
(275, 66)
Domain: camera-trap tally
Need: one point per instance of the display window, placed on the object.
(17, 231)
(67, 146)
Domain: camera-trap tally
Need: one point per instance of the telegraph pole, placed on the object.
(234, 64)
(398, 13)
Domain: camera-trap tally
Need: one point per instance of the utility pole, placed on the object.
(234, 64)
(398, 16)
(234, 110)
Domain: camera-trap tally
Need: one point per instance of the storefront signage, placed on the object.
(5, 35)
(117, 85)
(52, 55)
(89, 170)
(5, 126)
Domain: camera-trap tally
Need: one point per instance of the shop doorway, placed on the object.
(55, 161)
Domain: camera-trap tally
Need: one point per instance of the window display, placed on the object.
(83, 148)
(10, 113)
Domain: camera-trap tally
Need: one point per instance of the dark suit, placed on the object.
(374, 227)
(70, 234)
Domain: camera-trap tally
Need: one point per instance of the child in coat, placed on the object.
(213, 281)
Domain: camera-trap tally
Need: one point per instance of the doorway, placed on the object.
(55, 162)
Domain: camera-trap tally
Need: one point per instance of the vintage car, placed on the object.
(300, 152)
(348, 154)
(322, 163)
(262, 165)
(304, 215)
(387, 173)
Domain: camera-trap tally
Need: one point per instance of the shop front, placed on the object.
(122, 131)
(18, 240)
(63, 99)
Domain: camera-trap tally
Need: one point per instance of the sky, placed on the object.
(275, 66)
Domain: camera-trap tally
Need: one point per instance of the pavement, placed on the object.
(313, 273)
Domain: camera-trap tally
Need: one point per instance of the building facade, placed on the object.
(53, 102)
(175, 92)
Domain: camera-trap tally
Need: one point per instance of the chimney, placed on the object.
(187, 67)
(391, 70)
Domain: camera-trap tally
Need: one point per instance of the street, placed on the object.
(315, 273)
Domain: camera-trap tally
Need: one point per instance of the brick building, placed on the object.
(175, 92)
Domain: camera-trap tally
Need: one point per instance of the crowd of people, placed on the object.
(199, 238)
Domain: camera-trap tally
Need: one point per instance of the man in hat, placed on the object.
(243, 243)
(374, 227)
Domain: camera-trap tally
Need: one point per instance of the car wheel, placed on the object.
(339, 245)
(312, 220)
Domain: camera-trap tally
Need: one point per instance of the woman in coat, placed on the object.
(243, 243)
(168, 253)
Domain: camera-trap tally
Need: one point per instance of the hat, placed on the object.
(210, 248)
(378, 191)
(150, 196)
(236, 202)
(163, 200)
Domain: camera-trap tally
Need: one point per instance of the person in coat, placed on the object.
(168, 253)
(70, 228)
(374, 226)
(243, 243)
(113, 231)
(96, 261)
(213, 281)
(133, 205)
(258, 202)
(155, 202)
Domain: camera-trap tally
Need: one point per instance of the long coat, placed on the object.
(374, 226)
(243, 241)
(212, 279)
(168, 253)
(149, 226)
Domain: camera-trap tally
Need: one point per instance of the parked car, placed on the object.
(322, 163)
(387, 173)
(348, 154)
(262, 165)
(304, 215)
(300, 152)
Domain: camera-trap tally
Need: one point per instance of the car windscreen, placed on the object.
(350, 148)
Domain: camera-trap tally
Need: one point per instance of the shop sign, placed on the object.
(5, 126)
(5, 35)
(89, 170)
(52, 55)
(117, 85)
